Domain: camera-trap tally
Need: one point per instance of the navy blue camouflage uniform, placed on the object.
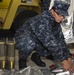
(45, 4)
(43, 35)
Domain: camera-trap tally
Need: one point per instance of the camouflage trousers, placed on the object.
(26, 43)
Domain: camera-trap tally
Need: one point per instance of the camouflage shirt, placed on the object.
(43, 34)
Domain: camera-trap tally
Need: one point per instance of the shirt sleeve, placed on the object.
(44, 33)
(62, 42)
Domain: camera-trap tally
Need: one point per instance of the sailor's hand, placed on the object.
(72, 68)
(70, 62)
(66, 65)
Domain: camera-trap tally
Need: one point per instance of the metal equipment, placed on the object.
(13, 13)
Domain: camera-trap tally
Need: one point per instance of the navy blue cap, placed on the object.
(61, 7)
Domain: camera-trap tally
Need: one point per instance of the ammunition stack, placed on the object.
(2, 53)
(10, 48)
(7, 53)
